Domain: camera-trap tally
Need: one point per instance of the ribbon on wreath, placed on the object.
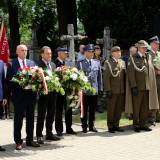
(82, 105)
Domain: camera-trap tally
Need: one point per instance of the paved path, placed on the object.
(90, 146)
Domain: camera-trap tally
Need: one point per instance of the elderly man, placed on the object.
(114, 73)
(23, 100)
(61, 101)
(80, 55)
(92, 70)
(141, 79)
(46, 103)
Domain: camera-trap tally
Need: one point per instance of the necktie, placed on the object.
(23, 64)
(48, 66)
(90, 62)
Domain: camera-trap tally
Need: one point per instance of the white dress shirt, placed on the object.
(21, 62)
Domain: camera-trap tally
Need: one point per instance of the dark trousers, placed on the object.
(114, 110)
(46, 105)
(24, 104)
(60, 105)
(1, 110)
(90, 103)
(140, 109)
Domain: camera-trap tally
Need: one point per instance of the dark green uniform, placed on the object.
(154, 114)
(137, 80)
(114, 85)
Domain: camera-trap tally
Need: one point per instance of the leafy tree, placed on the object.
(67, 14)
(129, 21)
(45, 23)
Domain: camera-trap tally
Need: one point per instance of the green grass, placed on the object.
(101, 120)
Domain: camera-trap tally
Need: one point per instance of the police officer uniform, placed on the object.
(92, 70)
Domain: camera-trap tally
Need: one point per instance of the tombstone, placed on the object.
(107, 42)
(71, 38)
(33, 47)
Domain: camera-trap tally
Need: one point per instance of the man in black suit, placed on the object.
(46, 103)
(61, 101)
(23, 100)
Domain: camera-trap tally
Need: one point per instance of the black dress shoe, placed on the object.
(2, 149)
(84, 130)
(93, 129)
(32, 144)
(52, 138)
(118, 129)
(59, 134)
(40, 140)
(71, 131)
(146, 129)
(137, 129)
(111, 130)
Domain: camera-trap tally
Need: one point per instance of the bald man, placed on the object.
(23, 100)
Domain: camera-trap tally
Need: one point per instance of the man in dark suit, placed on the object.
(61, 101)
(3, 100)
(23, 100)
(46, 103)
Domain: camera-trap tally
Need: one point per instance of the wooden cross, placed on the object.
(71, 37)
(107, 42)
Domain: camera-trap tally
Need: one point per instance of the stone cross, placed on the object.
(71, 38)
(107, 42)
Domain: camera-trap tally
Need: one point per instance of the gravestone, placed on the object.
(107, 42)
(34, 50)
(71, 38)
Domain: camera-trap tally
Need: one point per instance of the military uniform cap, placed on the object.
(115, 49)
(89, 47)
(96, 47)
(154, 39)
(142, 44)
(60, 49)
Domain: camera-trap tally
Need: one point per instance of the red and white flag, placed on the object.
(4, 47)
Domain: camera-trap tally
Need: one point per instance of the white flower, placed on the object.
(28, 87)
(24, 71)
(74, 76)
(85, 79)
(47, 78)
(56, 79)
(75, 69)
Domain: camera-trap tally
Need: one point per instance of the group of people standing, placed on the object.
(131, 84)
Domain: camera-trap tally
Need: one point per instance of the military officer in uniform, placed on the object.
(113, 77)
(92, 70)
(138, 74)
(154, 51)
(61, 100)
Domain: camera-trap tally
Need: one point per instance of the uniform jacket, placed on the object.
(93, 73)
(138, 79)
(114, 84)
(58, 63)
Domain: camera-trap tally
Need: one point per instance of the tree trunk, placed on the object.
(14, 39)
(67, 14)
